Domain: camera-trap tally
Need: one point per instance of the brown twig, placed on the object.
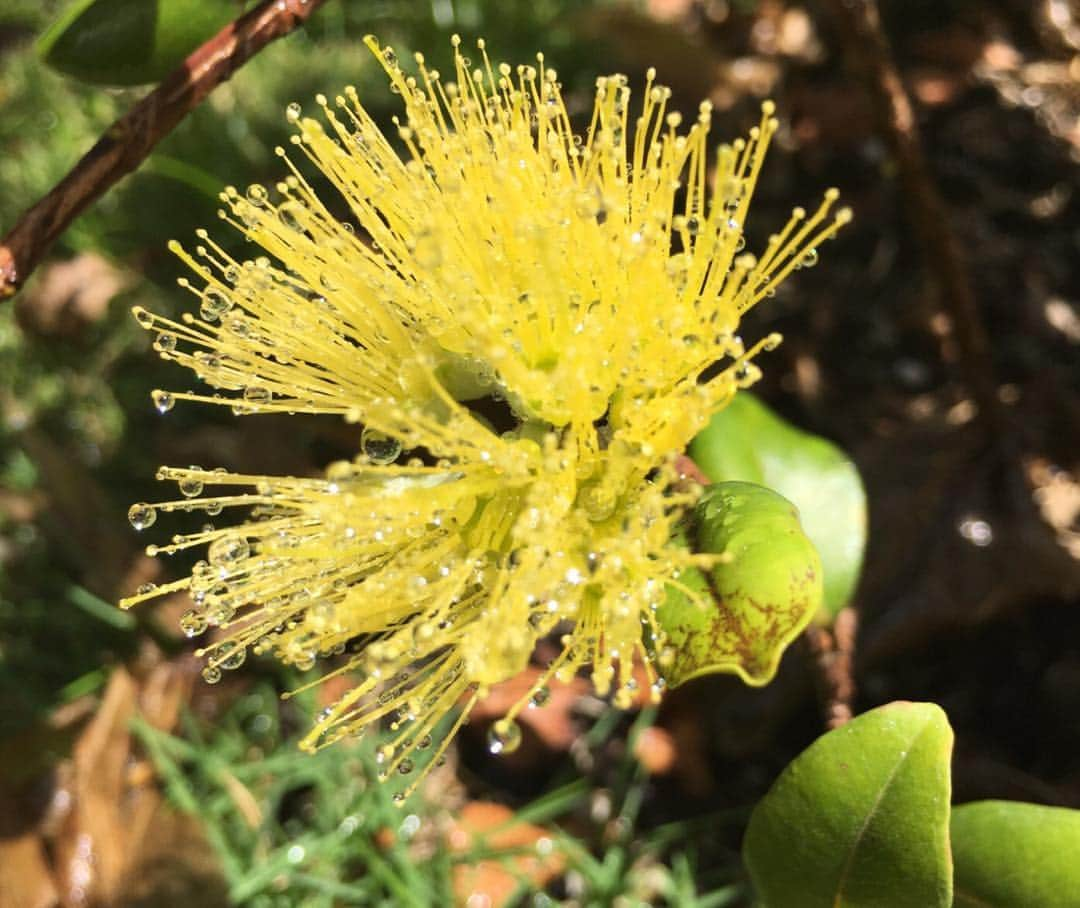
(868, 49)
(690, 471)
(833, 653)
(130, 139)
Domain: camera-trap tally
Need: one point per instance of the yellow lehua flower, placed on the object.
(592, 285)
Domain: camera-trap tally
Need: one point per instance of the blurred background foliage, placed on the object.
(126, 782)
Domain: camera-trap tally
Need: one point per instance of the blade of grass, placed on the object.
(99, 608)
(181, 793)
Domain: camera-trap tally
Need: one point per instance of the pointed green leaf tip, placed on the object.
(860, 819)
(1012, 855)
(747, 441)
(130, 42)
(742, 616)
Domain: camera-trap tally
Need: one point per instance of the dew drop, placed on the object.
(190, 486)
(232, 655)
(146, 589)
(540, 697)
(214, 304)
(143, 317)
(254, 394)
(163, 401)
(166, 342)
(142, 515)
(287, 216)
(378, 447)
(211, 674)
(405, 766)
(598, 501)
(504, 737)
(257, 194)
(292, 112)
(219, 611)
(228, 550)
(192, 623)
(809, 259)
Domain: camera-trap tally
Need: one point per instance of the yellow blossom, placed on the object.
(593, 285)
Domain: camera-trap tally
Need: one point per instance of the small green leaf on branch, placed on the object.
(131, 42)
(747, 441)
(860, 819)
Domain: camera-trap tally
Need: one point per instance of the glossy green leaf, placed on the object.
(742, 616)
(747, 441)
(130, 42)
(1013, 855)
(860, 819)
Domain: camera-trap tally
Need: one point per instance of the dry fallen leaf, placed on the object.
(69, 296)
(106, 826)
(25, 880)
(489, 882)
(91, 845)
(655, 751)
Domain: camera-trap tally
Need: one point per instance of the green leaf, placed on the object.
(130, 42)
(1013, 855)
(742, 616)
(860, 818)
(747, 441)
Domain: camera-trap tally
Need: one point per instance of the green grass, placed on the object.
(292, 829)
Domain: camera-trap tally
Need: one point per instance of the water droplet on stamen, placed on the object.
(163, 401)
(214, 304)
(378, 447)
(255, 394)
(540, 697)
(192, 623)
(189, 486)
(504, 737)
(227, 550)
(257, 194)
(232, 655)
(142, 515)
